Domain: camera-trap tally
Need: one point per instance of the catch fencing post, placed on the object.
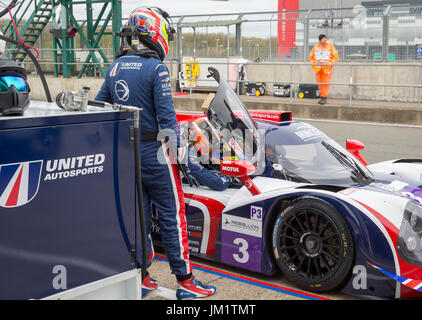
(385, 33)
(420, 85)
(291, 82)
(351, 85)
(306, 36)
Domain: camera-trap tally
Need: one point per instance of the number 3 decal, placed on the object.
(243, 257)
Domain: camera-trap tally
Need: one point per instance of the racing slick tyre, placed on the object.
(313, 246)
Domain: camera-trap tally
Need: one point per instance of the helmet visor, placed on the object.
(6, 82)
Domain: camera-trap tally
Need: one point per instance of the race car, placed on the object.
(302, 204)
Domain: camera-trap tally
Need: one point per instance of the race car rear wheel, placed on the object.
(313, 245)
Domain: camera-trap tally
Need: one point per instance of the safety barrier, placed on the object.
(406, 87)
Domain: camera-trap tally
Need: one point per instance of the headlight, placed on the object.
(409, 243)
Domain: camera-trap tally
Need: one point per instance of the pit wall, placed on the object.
(374, 74)
(342, 74)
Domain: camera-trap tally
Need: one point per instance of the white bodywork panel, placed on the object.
(400, 170)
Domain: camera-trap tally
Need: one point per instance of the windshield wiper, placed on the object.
(361, 171)
(347, 162)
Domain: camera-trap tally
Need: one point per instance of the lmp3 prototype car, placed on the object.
(314, 210)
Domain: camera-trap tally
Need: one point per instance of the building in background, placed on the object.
(327, 4)
(358, 30)
(286, 28)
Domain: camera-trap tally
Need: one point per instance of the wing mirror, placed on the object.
(354, 146)
(240, 169)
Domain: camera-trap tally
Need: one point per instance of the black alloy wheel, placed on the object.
(313, 245)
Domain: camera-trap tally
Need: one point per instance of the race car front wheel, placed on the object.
(313, 245)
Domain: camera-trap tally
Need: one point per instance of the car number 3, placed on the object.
(243, 255)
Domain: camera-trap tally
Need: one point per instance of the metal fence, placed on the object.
(388, 34)
(365, 38)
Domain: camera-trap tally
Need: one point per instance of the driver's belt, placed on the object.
(149, 135)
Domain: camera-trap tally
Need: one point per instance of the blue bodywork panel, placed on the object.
(67, 199)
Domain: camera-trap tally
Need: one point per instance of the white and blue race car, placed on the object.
(307, 207)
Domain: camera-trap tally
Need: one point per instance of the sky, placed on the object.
(185, 7)
(192, 7)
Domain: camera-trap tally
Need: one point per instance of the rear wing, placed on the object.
(270, 115)
(267, 115)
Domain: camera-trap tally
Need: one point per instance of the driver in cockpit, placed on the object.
(203, 162)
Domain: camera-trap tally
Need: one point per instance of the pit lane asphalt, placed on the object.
(232, 283)
(382, 142)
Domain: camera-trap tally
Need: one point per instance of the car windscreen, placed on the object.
(230, 118)
(307, 155)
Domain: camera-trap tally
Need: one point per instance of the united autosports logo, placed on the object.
(124, 66)
(115, 70)
(19, 183)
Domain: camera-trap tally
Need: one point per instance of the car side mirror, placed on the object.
(240, 169)
(354, 146)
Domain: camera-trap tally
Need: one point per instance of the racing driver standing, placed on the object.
(138, 77)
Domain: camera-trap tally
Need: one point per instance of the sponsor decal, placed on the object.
(131, 66)
(275, 237)
(19, 183)
(194, 228)
(115, 70)
(74, 167)
(237, 148)
(122, 91)
(273, 117)
(194, 249)
(241, 250)
(248, 184)
(164, 73)
(403, 189)
(394, 186)
(256, 213)
(193, 242)
(124, 66)
(242, 225)
(230, 169)
(348, 191)
(412, 193)
(308, 133)
(155, 227)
